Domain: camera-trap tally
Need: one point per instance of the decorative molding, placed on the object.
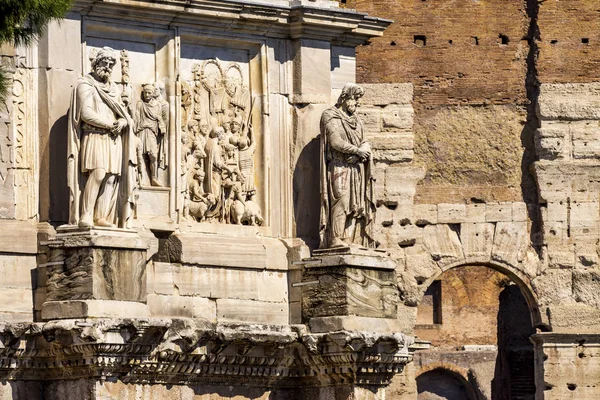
(184, 351)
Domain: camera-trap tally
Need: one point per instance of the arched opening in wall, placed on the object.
(441, 383)
(478, 321)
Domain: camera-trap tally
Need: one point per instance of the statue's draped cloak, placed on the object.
(361, 194)
(110, 96)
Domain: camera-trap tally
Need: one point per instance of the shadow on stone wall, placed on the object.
(55, 161)
(514, 374)
(306, 192)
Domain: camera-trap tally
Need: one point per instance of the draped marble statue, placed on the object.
(347, 204)
(102, 161)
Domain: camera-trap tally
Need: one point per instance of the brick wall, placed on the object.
(468, 62)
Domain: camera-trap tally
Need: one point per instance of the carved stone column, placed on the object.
(95, 273)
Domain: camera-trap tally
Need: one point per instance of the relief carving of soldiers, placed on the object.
(101, 149)
(151, 125)
(220, 147)
(347, 205)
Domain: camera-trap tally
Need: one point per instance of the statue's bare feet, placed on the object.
(104, 223)
(155, 182)
(337, 243)
(85, 223)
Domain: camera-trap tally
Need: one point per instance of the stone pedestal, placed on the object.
(349, 289)
(95, 272)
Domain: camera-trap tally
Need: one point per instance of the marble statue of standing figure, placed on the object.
(347, 204)
(151, 127)
(101, 149)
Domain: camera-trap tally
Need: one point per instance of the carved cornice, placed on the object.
(341, 26)
(188, 351)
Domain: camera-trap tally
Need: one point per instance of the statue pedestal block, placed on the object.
(349, 286)
(93, 266)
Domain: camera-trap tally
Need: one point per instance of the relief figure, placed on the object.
(151, 127)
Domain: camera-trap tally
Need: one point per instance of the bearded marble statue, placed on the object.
(101, 164)
(347, 204)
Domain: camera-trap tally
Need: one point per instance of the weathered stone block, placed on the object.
(553, 141)
(16, 300)
(312, 71)
(212, 250)
(586, 285)
(354, 323)
(182, 307)
(476, 239)
(570, 101)
(234, 310)
(443, 243)
(371, 118)
(273, 286)
(349, 288)
(99, 274)
(93, 309)
(497, 212)
(382, 94)
(451, 213)
(511, 240)
(17, 271)
(425, 214)
(397, 118)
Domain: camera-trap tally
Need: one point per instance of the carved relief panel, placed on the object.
(221, 136)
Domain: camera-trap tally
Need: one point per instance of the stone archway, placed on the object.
(443, 384)
(472, 329)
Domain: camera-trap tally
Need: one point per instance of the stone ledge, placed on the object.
(224, 251)
(93, 309)
(353, 323)
(150, 351)
(72, 236)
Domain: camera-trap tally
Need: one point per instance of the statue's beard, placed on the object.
(351, 109)
(103, 73)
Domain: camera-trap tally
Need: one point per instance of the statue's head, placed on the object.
(217, 132)
(148, 92)
(193, 126)
(159, 90)
(349, 97)
(103, 63)
(199, 174)
(204, 127)
(236, 123)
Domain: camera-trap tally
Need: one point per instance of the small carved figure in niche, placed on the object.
(213, 167)
(127, 90)
(210, 101)
(101, 148)
(164, 111)
(151, 127)
(183, 179)
(186, 103)
(246, 149)
(347, 205)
